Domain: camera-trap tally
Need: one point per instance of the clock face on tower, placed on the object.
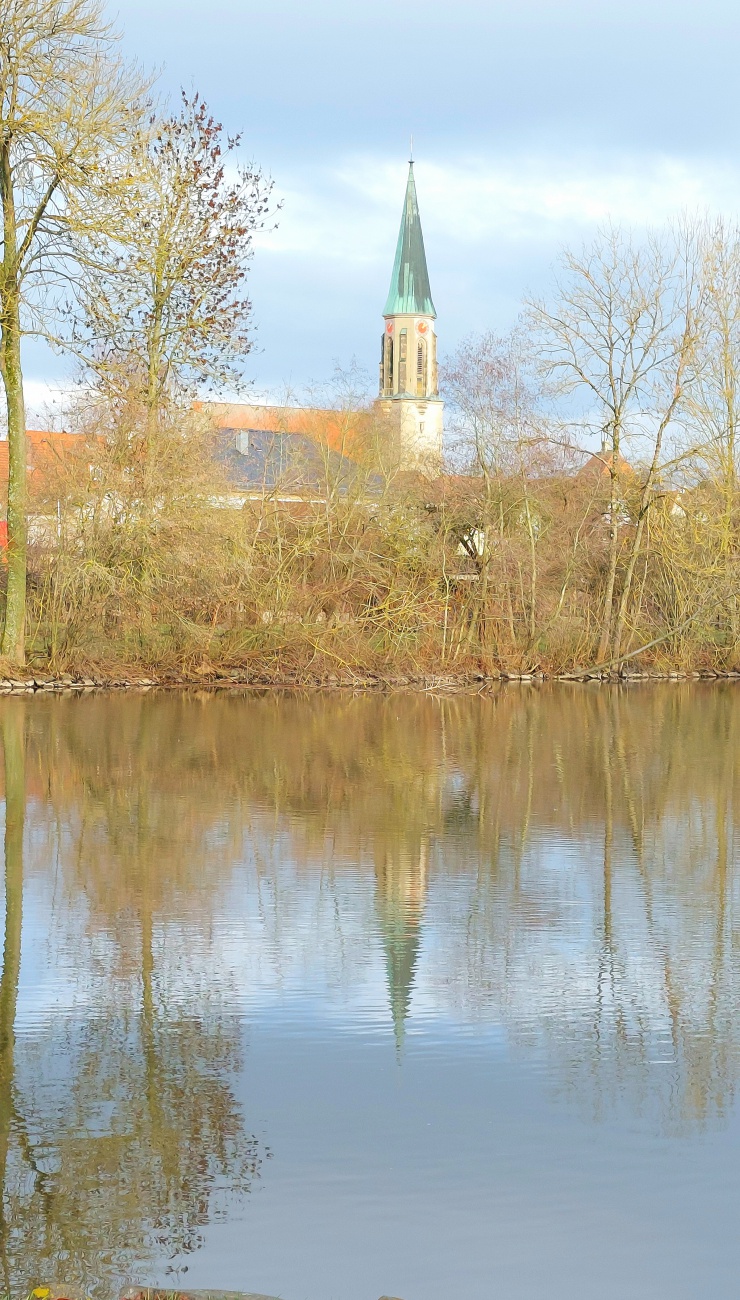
(389, 327)
(422, 326)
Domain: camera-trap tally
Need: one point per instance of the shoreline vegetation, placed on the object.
(127, 238)
(144, 562)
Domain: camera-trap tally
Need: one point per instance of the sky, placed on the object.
(533, 122)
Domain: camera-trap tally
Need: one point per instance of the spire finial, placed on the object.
(411, 150)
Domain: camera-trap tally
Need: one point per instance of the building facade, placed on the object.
(409, 387)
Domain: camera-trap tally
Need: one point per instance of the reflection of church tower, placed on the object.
(402, 881)
(408, 364)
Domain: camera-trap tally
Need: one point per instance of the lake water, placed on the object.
(341, 997)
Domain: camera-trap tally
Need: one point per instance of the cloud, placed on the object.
(493, 227)
(536, 198)
(351, 212)
(494, 224)
(47, 403)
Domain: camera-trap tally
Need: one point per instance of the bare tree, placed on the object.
(163, 297)
(714, 406)
(65, 99)
(622, 331)
(500, 437)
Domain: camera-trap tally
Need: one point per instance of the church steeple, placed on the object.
(410, 293)
(408, 358)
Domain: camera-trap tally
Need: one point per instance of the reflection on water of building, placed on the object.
(401, 891)
(562, 865)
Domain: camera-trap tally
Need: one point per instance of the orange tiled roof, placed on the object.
(342, 431)
(600, 463)
(42, 444)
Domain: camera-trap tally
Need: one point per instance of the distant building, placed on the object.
(44, 451)
(308, 452)
(408, 405)
(599, 465)
(349, 433)
(409, 387)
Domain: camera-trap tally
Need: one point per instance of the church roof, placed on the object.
(410, 293)
(264, 460)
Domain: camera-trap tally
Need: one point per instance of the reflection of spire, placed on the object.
(401, 893)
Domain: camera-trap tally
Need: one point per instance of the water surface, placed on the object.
(336, 997)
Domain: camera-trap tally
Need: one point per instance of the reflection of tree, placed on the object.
(615, 968)
(120, 1137)
(11, 727)
(572, 853)
(600, 923)
(126, 1176)
(616, 955)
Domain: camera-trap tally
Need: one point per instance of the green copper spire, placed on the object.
(409, 294)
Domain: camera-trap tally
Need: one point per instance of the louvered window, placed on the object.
(421, 367)
(402, 347)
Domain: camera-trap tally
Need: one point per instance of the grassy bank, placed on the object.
(142, 563)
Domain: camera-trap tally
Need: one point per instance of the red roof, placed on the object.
(601, 462)
(43, 445)
(342, 431)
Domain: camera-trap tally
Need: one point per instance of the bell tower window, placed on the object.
(386, 365)
(421, 368)
(402, 350)
(434, 385)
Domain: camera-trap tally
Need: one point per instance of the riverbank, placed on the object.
(471, 683)
(441, 579)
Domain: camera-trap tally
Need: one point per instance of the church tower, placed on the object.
(409, 389)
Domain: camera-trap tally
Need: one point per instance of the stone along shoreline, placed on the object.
(67, 684)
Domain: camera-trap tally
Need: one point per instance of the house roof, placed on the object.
(262, 460)
(255, 460)
(43, 448)
(600, 463)
(410, 293)
(346, 432)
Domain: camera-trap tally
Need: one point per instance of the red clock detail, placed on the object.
(422, 326)
(389, 327)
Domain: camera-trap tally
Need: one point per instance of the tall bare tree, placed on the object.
(499, 437)
(65, 100)
(622, 332)
(714, 406)
(502, 438)
(164, 296)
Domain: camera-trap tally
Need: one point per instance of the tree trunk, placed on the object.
(646, 500)
(13, 642)
(532, 572)
(729, 522)
(606, 625)
(627, 588)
